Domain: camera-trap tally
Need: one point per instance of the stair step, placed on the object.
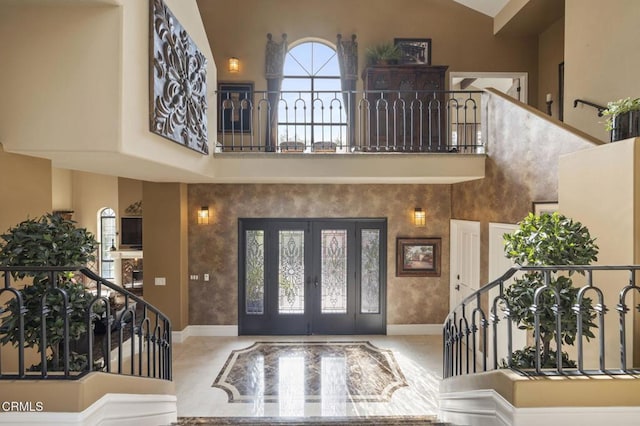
(290, 421)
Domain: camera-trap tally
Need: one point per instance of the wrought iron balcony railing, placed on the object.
(405, 121)
(480, 335)
(78, 322)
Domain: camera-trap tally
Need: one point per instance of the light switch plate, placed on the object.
(160, 281)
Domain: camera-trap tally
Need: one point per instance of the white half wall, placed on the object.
(487, 408)
(110, 410)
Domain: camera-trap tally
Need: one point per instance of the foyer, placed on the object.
(199, 361)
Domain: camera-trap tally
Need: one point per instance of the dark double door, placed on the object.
(320, 276)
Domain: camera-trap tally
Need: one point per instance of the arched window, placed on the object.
(107, 241)
(312, 109)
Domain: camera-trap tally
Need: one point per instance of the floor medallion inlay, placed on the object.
(299, 372)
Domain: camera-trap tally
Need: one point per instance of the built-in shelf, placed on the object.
(126, 254)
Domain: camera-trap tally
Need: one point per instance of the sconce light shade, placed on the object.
(234, 65)
(203, 215)
(419, 217)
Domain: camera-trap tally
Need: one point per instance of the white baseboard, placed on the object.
(413, 329)
(487, 407)
(483, 407)
(110, 410)
(204, 330)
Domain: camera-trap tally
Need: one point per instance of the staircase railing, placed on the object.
(473, 328)
(113, 316)
(600, 108)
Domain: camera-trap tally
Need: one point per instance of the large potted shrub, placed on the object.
(547, 240)
(623, 118)
(50, 240)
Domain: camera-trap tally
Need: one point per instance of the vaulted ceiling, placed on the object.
(488, 7)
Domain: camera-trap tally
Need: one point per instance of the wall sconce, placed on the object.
(203, 215)
(234, 65)
(419, 217)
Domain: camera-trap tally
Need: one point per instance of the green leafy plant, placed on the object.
(525, 359)
(547, 240)
(49, 240)
(385, 52)
(616, 108)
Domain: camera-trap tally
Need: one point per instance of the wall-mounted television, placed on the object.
(131, 232)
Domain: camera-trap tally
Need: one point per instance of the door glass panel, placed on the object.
(291, 272)
(370, 273)
(334, 271)
(254, 272)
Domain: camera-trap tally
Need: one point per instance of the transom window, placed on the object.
(312, 108)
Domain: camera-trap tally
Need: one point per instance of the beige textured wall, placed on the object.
(134, 90)
(91, 193)
(601, 58)
(599, 187)
(129, 192)
(25, 190)
(550, 55)
(213, 248)
(25, 193)
(62, 189)
(165, 249)
(78, 83)
(461, 37)
(522, 167)
(58, 54)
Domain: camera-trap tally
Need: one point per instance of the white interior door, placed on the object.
(465, 260)
(498, 265)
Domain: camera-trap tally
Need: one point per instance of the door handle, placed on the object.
(315, 283)
(457, 287)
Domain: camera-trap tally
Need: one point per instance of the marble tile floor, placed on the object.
(413, 364)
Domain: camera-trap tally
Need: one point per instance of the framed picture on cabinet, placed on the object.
(540, 207)
(235, 105)
(414, 50)
(418, 257)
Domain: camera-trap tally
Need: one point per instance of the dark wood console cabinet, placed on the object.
(406, 108)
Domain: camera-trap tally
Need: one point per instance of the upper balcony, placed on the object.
(104, 128)
(381, 136)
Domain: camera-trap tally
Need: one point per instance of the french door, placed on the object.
(312, 276)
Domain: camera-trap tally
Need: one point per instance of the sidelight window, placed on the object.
(107, 240)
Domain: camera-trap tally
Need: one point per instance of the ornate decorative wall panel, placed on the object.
(178, 82)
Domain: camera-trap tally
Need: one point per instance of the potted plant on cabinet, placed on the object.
(623, 118)
(50, 240)
(383, 54)
(546, 240)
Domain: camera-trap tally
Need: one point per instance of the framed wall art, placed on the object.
(418, 257)
(177, 81)
(414, 50)
(540, 207)
(235, 106)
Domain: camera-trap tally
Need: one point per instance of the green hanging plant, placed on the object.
(616, 108)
